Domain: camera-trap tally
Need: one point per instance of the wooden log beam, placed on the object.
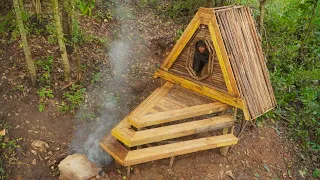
(177, 114)
(209, 92)
(180, 130)
(180, 148)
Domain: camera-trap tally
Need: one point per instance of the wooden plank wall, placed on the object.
(179, 66)
(247, 59)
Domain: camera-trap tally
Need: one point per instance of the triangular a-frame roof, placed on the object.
(239, 55)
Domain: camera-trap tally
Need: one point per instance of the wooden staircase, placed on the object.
(165, 124)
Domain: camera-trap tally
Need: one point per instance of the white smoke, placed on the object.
(114, 106)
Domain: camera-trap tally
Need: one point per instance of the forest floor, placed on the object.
(138, 42)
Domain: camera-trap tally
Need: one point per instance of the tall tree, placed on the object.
(261, 17)
(62, 45)
(26, 48)
(67, 12)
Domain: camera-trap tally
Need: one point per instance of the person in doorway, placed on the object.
(201, 57)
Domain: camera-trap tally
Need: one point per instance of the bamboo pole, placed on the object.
(26, 48)
(61, 43)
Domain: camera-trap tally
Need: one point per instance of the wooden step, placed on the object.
(128, 158)
(185, 147)
(180, 130)
(177, 114)
(114, 148)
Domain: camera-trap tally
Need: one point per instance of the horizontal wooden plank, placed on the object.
(151, 101)
(123, 131)
(180, 130)
(170, 150)
(209, 92)
(177, 114)
(114, 148)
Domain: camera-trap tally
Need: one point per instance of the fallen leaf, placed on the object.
(3, 132)
(230, 174)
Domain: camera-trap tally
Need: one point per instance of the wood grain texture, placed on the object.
(178, 114)
(180, 148)
(180, 130)
(247, 60)
(114, 148)
(209, 92)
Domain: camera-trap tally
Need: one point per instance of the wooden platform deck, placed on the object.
(149, 113)
(163, 115)
(128, 158)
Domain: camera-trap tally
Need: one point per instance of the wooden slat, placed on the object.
(169, 150)
(247, 60)
(178, 114)
(182, 42)
(148, 104)
(209, 92)
(114, 148)
(222, 56)
(180, 130)
(122, 131)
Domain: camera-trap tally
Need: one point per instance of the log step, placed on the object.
(180, 130)
(128, 158)
(177, 114)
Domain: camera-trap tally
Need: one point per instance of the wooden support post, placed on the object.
(128, 171)
(243, 126)
(171, 161)
(235, 110)
(224, 150)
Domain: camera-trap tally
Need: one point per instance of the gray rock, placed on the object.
(78, 167)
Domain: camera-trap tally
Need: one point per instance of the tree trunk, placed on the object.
(67, 12)
(78, 63)
(261, 17)
(26, 48)
(21, 6)
(62, 45)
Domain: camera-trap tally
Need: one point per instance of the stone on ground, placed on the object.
(77, 167)
(39, 146)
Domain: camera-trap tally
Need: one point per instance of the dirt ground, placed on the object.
(262, 153)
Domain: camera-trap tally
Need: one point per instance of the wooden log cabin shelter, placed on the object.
(171, 119)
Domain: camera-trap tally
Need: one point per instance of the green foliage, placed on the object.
(51, 29)
(8, 26)
(78, 36)
(293, 55)
(12, 144)
(19, 88)
(316, 173)
(3, 173)
(44, 66)
(45, 93)
(85, 6)
(145, 3)
(86, 116)
(97, 77)
(72, 99)
(7, 23)
(179, 32)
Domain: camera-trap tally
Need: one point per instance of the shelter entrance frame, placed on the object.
(206, 16)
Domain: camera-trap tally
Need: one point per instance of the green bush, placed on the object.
(293, 54)
(72, 99)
